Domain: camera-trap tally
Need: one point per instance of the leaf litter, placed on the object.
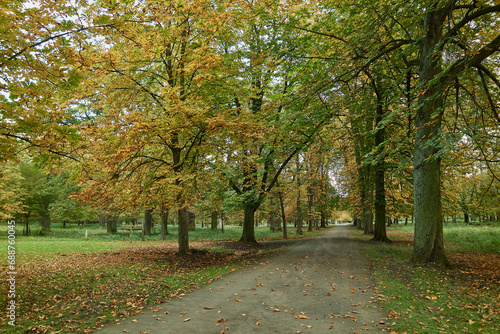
(80, 292)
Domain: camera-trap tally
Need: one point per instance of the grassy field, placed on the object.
(428, 299)
(72, 239)
(65, 283)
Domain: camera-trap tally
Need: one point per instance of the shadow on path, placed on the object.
(318, 285)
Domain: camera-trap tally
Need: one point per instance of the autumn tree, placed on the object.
(150, 89)
(272, 126)
(11, 191)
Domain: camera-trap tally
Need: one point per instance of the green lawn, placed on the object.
(428, 299)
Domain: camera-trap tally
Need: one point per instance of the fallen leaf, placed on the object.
(186, 320)
(300, 316)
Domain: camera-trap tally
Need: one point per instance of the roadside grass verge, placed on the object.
(428, 299)
(66, 284)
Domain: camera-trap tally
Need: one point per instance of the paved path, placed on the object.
(319, 285)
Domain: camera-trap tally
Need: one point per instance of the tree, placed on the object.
(152, 104)
(11, 191)
(438, 33)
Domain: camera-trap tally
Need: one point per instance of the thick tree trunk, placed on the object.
(183, 231)
(148, 221)
(214, 220)
(111, 224)
(273, 217)
(380, 233)
(45, 222)
(429, 245)
(380, 202)
(248, 234)
(323, 219)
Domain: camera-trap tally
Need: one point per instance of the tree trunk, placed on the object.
(45, 222)
(111, 224)
(310, 199)
(429, 245)
(466, 218)
(215, 217)
(164, 223)
(27, 229)
(273, 216)
(148, 221)
(248, 234)
(191, 221)
(380, 202)
(323, 219)
(283, 216)
(102, 220)
(299, 215)
(183, 231)
(368, 222)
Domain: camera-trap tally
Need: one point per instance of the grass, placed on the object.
(72, 239)
(68, 284)
(427, 299)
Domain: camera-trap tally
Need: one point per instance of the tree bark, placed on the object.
(214, 222)
(283, 215)
(310, 202)
(248, 234)
(273, 216)
(148, 221)
(164, 223)
(191, 221)
(111, 224)
(183, 230)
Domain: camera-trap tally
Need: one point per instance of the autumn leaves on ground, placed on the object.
(76, 291)
(71, 291)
